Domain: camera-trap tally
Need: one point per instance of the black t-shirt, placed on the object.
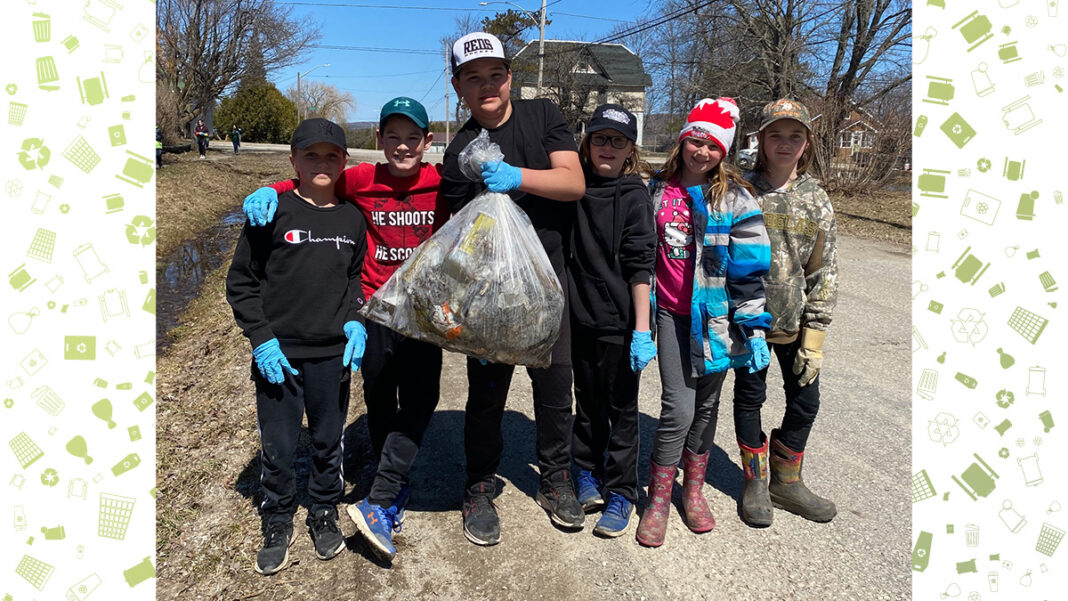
(535, 128)
(297, 278)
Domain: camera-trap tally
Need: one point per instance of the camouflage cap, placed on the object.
(784, 108)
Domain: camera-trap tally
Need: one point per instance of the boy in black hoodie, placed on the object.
(609, 269)
(294, 287)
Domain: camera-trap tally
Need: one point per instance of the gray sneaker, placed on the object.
(326, 535)
(556, 494)
(274, 556)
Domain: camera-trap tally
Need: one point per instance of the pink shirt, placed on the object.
(674, 251)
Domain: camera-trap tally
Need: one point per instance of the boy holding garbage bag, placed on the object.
(540, 170)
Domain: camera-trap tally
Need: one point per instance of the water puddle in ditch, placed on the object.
(180, 275)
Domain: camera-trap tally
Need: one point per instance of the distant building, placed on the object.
(856, 137)
(601, 73)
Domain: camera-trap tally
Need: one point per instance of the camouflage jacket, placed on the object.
(802, 284)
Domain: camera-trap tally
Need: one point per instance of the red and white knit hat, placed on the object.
(713, 120)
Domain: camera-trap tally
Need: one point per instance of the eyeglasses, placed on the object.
(618, 142)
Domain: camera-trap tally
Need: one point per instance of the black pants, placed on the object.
(401, 384)
(202, 145)
(605, 437)
(322, 391)
(487, 390)
(802, 402)
(237, 146)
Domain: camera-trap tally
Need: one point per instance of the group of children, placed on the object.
(724, 277)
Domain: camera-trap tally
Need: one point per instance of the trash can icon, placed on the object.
(42, 27)
(975, 29)
(978, 479)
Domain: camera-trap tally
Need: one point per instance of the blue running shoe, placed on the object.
(375, 524)
(589, 491)
(616, 517)
(397, 508)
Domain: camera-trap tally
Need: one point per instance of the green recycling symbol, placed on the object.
(141, 231)
(34, 154)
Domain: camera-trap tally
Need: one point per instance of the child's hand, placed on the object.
(271, 362)
(501, 177)
(642, 350)
(809, 357)
(260, 206)
(354, 348)
(760, 357)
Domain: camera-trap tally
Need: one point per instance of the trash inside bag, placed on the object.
(482, 285)
(478, 151)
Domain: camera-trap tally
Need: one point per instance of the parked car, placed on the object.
(747, 158)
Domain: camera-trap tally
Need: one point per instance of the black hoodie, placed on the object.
(613, 245)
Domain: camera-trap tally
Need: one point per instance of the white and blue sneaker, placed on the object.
(376, 524)
(616, 516)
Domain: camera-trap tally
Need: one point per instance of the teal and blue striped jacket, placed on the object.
(727, 307)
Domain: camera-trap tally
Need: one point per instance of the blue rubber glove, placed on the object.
(357, 344)
(260, 206)
(642, 350)
(271, 361)
(760, 357)
(501, 177)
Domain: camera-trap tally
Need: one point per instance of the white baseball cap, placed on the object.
(474, 46)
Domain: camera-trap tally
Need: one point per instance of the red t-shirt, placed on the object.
(401, 213)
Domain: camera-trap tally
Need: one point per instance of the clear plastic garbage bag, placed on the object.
(482, 285)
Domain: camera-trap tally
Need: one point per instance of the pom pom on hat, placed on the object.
(713, 120)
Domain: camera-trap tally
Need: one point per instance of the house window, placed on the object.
(584, 67)
(844, 140)
(869, 140)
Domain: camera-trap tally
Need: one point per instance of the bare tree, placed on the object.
(204, 49)
(322, 100)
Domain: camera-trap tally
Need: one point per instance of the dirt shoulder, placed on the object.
(207, 473)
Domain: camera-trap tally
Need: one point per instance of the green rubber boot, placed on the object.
(788, 490)
(756, 504)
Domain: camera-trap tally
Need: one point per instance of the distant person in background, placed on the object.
(235, 137)
(159, 147)
(202, 133)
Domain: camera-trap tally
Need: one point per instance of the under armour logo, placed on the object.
(402, 102)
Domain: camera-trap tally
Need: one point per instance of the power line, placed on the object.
(442, 72)
(376, 49)
(346, 5)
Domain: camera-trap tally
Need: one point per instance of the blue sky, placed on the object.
(373, 77)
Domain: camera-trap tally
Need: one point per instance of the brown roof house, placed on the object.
(578, 76)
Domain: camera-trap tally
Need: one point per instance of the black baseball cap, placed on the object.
(614, 116)
(408, 107)
(313, 131)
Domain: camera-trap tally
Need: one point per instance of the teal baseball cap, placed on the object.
(409, 107)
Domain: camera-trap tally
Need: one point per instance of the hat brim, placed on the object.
(594, 128)
(457, 68)
(774, 119)
(306, 143)
(382, 120)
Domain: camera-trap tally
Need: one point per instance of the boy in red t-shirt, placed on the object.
(399, 199)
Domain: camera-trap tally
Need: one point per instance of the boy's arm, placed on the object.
(749, 256)
(563, 181)
(243, 285)
(637, 246)
(639, 294)
(455, 188)
(355, 271)
(345, 187)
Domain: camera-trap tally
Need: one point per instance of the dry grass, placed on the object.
(193, 194)
(885, 216)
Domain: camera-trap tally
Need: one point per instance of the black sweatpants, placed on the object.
(605, 436)
(322, 391)
(487, 391)
(802, 402)
(401, 385)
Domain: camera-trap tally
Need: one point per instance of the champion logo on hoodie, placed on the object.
(302, 236)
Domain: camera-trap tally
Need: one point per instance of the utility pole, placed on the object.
(447, 84)
(541, 47)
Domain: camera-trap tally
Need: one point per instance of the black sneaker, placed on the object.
(325, 533)
(481, 525)
(556, 494)
(274, 556)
